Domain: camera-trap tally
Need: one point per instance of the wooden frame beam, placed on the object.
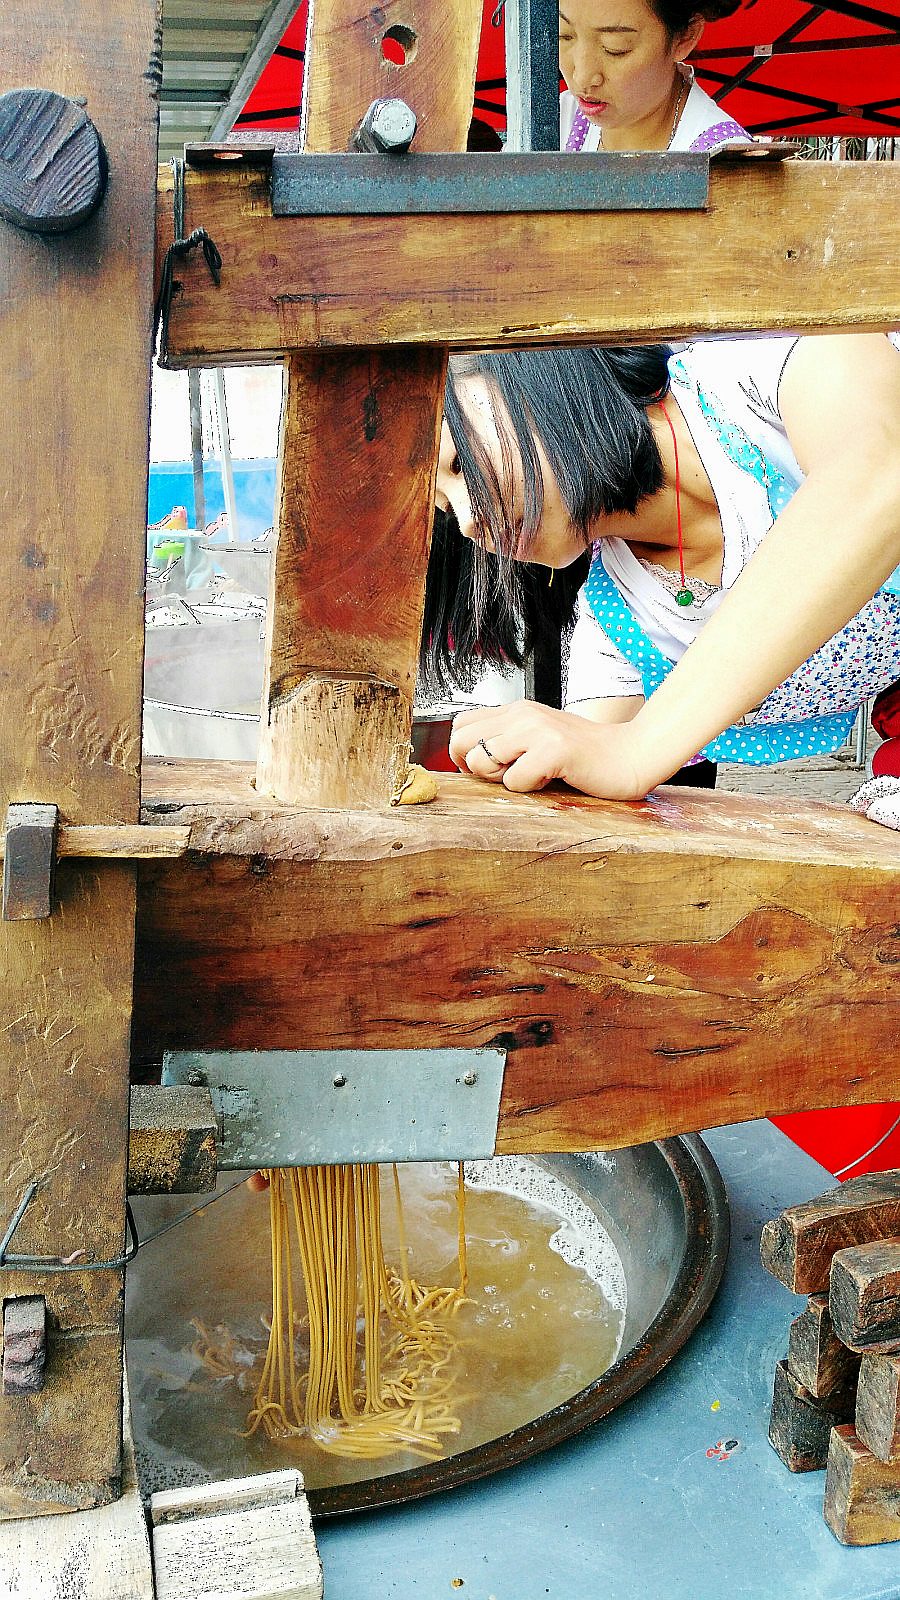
(692, 958)
(797, 245)
(75, 334)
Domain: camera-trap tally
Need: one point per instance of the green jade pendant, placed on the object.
(684, 597)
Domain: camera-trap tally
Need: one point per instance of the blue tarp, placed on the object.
(172, 484)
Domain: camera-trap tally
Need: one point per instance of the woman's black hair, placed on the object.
(676, 16)
(521, 617)
(587, 407)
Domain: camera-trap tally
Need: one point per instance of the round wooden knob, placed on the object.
(52, 162)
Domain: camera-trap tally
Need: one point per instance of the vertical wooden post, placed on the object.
(358, 450)
(75, 334)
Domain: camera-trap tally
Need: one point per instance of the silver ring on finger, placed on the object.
(490, 754)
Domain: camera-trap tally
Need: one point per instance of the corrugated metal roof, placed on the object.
(213, 53)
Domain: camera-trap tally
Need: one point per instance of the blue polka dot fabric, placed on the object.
(760, 743)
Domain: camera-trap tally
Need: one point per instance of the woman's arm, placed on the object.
(826, 555)
(830, 549)
(615, 708)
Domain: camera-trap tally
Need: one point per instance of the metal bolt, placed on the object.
(339, 1080)
(196, 1079)
(470, 1079)
(388, 128)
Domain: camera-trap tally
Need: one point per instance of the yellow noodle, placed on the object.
(390, 1386)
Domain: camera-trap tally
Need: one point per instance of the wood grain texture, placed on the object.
(878, 1406)
(800, 1425)
(862, 1494)
(816, 1357)
(864, 1295)
(798, 1246)
(358, 452)
(651, 968)
(101, 1554)
(801, 245)
(75, 334)
(52, 164)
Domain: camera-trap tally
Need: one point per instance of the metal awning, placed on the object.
(213, 54)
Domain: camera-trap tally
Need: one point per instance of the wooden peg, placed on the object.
(798, 1246)
(24, 1344)
(816, 1356)
(862, 1494)
(800, 1425)
(52, 163)
(878, 1406)
(864, 1297)
(29, 862)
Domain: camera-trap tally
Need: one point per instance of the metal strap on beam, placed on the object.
(407, 185)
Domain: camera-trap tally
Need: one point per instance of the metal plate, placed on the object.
(405, 185)
(290, 1108)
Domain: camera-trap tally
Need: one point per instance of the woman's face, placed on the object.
(618, 60)
(557, 542)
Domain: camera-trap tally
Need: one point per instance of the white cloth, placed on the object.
(699, 113)
(879, 800)
(749, 372)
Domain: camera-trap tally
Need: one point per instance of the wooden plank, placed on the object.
(799, 245)
(798, 1247)
(101, 1554)
(172, 1140)
(74, 329)
(878, 1406)
(358, 457)
(816, 1357)
(650, 968)
(864, 1295)
(800, 1425)
(116, 842)
(244, 1539)
(862, 1494)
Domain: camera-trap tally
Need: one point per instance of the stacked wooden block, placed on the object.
(836, 1402)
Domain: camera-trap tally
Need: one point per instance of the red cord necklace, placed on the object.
(684, 597)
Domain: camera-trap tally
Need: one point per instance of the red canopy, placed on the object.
(779, 66)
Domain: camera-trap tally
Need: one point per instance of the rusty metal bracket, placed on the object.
(29, 861)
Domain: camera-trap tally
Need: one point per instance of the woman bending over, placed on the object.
(741, 506)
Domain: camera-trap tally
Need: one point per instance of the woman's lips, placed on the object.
(591, 107)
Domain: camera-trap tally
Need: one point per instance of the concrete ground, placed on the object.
(835, 777)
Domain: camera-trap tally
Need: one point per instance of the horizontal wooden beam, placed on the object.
(113, 841)
(651, 968)
(796, 245)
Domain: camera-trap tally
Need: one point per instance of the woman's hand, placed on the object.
(525, 746)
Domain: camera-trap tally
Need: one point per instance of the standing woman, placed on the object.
(628, 87)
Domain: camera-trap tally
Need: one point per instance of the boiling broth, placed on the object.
(544, 1318)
